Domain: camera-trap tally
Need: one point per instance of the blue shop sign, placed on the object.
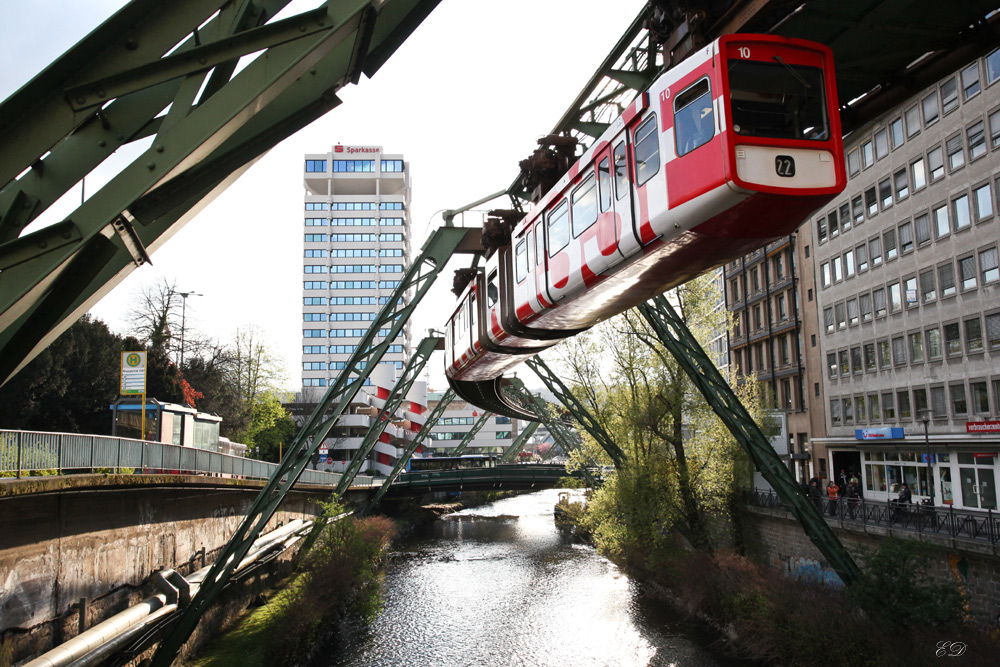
(884, 433)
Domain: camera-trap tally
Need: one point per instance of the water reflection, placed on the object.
(498, 585)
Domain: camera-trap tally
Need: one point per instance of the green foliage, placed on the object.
(270, 425)
(340, 575)
(571, 483)
(898, 591)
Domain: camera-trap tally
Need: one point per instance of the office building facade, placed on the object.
(908, 296)
(356, 242)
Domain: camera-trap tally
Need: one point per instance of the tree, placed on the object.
(69, 386)
(681, 461)
(272, 430)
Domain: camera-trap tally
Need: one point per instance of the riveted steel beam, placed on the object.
(421, 355)
(413, 446)
(678, 339)
(473, 432)
(577, 409)
(522, 439)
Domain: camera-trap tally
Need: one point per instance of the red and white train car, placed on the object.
(730, 149)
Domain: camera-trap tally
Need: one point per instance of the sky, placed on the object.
(463, 99)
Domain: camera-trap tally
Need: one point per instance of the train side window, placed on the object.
(647, 151)
(492, 293)
(584, 205)
(694, 117)
(558, 228)
(539, 243)
(621, 170)
(604, 183)
(521, 260)
(473, 327)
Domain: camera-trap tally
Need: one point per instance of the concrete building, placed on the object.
(497, 434)
(356, 226)
(773, 337)
(909, 296)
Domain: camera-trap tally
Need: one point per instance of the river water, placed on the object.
(499, 586)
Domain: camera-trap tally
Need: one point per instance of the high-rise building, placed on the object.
(496, 435)
(356, 226)
(908, 291)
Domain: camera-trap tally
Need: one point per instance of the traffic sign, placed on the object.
(133, 378)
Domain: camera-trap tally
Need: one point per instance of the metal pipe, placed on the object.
(109, 648)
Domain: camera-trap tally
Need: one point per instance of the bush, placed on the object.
(898, 591)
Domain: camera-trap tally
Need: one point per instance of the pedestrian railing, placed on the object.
(918, 517)
(32, 453)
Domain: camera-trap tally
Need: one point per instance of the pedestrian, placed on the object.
(901, 503)
(842, 481)
(832, 491)
(816, 495)
(853, 496)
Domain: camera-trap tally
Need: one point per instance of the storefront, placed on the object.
(952, 471)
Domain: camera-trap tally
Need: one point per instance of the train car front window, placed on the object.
(777, 100)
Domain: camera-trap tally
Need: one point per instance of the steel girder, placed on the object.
(522, 439)
(425, 430)
(419, 277)
(112, 88)
(678, 339)
(577, 409)
(471, 435)
(410, 373)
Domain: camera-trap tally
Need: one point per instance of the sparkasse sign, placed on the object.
(357, 150)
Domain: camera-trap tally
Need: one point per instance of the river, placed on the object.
(498, 585)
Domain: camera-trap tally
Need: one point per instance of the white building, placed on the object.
(497, 434)
(356, 226)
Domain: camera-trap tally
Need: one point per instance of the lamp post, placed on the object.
(925, 419)
(184, 300)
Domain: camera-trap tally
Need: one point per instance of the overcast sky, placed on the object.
(463, 100)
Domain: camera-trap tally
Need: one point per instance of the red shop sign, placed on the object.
(982, 427)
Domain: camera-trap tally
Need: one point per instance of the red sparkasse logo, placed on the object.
(338, 149)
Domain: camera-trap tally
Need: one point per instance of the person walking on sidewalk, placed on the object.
(832, 491)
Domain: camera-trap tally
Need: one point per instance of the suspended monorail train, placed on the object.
(730, 149)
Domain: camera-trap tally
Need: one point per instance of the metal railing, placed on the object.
(33, 453)
(916, 517)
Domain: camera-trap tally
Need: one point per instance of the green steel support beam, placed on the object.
(424, 433)
(442, 244)
(200, 146)
(410, 373)
(678, 339)
(522, 439)
(577, 409)
(471, 435)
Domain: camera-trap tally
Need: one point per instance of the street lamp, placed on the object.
(925, 419)
(184, 300)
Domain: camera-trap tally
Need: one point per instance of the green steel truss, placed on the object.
(410, 373)
(112, 89)
(442, 244)
(471, 435)
(425, 431)
(522, 439)
(677, 338)
(577, 409)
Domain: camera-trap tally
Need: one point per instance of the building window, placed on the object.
(916, 347)
(933, 337)
(856, 366)
(977, 140)
(885, 192)
(880, 303)
(980, 398)
(866, 307)
(956, 152)
(867, 155)
(884, 360)
(841, 315)
(973, 335)
(930, 107)
(988, 265)
(927, 291)
(888, 407)
(960, 208)
(314, 205)
(849, 264)
(889, 241)
(902, 184)
(852, 312)
(946, 279)
(353, 166)
(313, 166)
(949, 96)
(995, 129)
(862, 254)
(391, 166)
(881, 144)
(912, 121)
(875, 251)
(906, 237)
(984, 202)
(896, 132)
(895, 298)
(970, 80)
(952, 339)
(919, 175)
(938, 405)
(935, 163)
(967, 272)
(845, 363)
(858, 210)
(853, 163)
(903, 404)
(834, 410)
(870, 363)
(828, 319)
(922, 224)
(848, 406)
(871, 201)
(898, 351)
(314, 333)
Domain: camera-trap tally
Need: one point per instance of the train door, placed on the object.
(541, 265)
(559, 276)
(609, 222)
(627, 233)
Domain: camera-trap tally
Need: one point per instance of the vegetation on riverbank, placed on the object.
(338, 579)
